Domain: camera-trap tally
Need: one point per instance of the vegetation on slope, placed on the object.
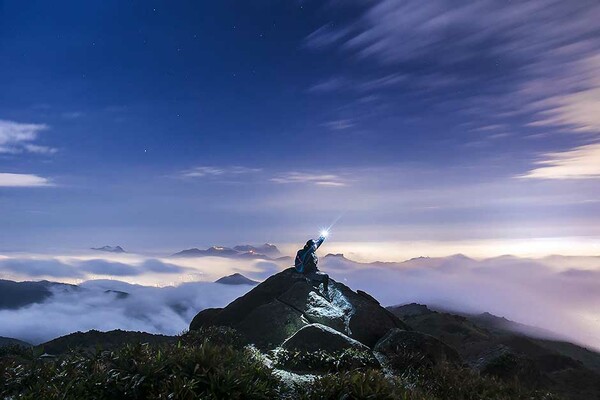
(214, 364)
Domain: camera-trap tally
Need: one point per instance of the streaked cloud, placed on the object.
(576, 108)
(582, 162)
(307, 178)
(16, 137)
(537, 60)
(282, 177)
(325, 36)
(23, 180)
(213, 171)
(328, 85)
(339, 125)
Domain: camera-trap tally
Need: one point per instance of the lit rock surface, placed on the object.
(315, 337)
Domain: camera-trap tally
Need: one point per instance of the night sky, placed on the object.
(163, 125)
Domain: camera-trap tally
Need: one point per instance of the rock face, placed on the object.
(398, 342)
(282, 305)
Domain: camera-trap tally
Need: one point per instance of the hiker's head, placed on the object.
(309, 243)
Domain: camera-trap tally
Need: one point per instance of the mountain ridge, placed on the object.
(266, 251)
(110, 249)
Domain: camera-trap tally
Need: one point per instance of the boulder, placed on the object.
(278, 307)
(268, 325)
(416, 346)
(317, 337)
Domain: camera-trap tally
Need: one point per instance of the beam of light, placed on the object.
(335, 221)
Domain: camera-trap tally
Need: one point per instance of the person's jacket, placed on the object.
(306, 258)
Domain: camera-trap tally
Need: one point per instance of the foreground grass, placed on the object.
(214, 364)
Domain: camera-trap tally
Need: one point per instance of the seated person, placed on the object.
(306, 262)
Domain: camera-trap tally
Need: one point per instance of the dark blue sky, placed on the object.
(165, 124)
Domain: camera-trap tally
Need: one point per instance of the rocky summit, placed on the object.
(291, 311)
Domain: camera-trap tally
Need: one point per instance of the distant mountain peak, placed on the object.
(236, 279)
(110, 249)
(419, 258)
(459, 256)
(336, 255)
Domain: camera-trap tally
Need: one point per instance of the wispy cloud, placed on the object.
(329, 85)
(487, 128)
(325, 36)
(16, 137)
(579, 163)
(212, 171)
(72, 115)
(339, 125)
(23, 180)
(281, 177)
(576, 108)
(381, 82)
(315, 179)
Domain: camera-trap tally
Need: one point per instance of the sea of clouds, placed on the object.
(560, 294)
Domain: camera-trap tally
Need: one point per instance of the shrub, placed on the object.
(217, 335)
(370, 384)
(213, 364)
(445, 382)
(178, 371)
(16, 350)
(321, 361)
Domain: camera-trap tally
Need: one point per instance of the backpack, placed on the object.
(299, 261)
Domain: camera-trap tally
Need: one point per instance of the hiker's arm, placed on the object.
(319, 241)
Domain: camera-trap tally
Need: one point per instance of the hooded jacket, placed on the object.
(306, 258)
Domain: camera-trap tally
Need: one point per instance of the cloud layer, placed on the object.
(556, 293)
(155, 310)
(564, 300)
